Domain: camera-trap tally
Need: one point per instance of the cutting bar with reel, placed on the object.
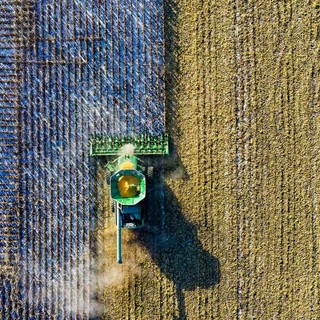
(143, 145)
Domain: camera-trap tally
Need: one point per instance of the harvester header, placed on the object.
(143, 145)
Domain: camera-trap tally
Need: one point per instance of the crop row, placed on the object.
(83, 68)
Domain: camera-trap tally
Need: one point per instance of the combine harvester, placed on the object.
(126, 175)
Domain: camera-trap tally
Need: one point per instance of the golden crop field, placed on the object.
(234, 226)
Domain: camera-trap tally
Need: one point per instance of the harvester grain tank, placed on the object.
(127, 177)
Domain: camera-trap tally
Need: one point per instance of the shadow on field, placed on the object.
(168, 236)
(174, 246)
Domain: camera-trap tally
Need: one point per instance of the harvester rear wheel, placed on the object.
(150, 172)
(112, 205)
(108, 176)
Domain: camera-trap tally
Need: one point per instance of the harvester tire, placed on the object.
(108, 176)
(112, 205)
(150, 172)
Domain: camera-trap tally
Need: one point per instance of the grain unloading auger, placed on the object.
(128, 185)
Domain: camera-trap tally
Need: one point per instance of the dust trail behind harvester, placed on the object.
(108, 274)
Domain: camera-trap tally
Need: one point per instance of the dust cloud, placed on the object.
(108, 274)
(127, 149)
(179, 173)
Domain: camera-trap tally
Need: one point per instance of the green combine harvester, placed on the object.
(127, 177)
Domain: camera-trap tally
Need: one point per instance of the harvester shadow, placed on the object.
(173, 245)
(169, 237)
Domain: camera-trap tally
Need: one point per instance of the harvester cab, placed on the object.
(126, 175)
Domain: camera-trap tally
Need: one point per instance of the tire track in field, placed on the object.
(265, 197)
(311, 140)
(246, 123)
(210, 232)
(283, 126)
(278, 177)
(302, 204)
(293, 124)
(240, 160)
(202, 169)
(216, 168)
(255, 152)
(314, 90)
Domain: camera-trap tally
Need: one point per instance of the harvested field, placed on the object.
(240, 235)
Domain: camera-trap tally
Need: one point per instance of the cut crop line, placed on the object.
(212, 52)
(200, 126)
(255, 163)
(248, 153)
(281, 161)
(237, 49)
(315, 301)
